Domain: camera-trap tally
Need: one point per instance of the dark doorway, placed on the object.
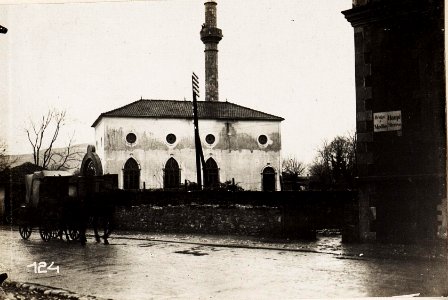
(131, 175)
(268, 179)
(171, 176)
(211, 174)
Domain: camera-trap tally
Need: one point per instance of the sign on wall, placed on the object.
(387, 121)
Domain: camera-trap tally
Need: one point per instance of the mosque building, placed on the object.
(150, 144)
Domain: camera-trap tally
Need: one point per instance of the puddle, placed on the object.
(145, 245)
(191, 252)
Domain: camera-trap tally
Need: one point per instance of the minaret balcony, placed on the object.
(211, 34)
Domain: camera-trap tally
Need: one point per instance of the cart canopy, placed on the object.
(56, 183)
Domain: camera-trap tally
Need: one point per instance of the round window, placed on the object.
(171, 138)
(210, 139)
(262, 139)
(131, 138)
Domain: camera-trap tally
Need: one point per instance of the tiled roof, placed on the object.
(184, 110)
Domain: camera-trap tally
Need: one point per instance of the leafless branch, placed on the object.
(66, 158)
(293, 166)
(50, 125)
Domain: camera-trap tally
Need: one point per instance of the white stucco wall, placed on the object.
(236, 149)
(99, 141)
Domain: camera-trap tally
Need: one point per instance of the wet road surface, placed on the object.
(144, 266)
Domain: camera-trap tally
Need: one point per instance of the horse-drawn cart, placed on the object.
(61, 205)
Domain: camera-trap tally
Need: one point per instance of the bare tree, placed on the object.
(293, 167)
(4, 158)
(335, 164)
(64, 159)
(42, 137)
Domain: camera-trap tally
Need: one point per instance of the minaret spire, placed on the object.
(210, 36)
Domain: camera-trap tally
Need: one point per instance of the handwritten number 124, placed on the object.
(41, 267)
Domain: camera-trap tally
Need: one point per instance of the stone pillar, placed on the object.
(399, 67)
(210, 36)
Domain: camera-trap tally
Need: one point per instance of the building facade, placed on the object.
(150, 144)
(401, 118)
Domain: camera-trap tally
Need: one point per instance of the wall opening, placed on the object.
(268, 180)
(131, 175)
(171, 176)
(211, 174)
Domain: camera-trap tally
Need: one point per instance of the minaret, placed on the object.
(210, 36)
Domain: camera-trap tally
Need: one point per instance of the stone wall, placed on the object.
(274, 214)
(206, 219)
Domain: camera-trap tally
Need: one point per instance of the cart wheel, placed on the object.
(72, 234)
(55, 233)
(45, 234)
(25, 231)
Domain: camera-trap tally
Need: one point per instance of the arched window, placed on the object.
(89, 170)
(131, 175)
(91, 163)
(268, 180)
(211, 173)
(171, 176)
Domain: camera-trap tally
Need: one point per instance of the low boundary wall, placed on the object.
(270, 214)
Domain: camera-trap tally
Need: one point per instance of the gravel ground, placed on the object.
(389, 269)
(23, 291)
(327, 241)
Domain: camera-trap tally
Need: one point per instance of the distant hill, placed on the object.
(80, 150)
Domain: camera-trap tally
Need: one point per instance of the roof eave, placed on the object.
(277, 119)
(97, 121)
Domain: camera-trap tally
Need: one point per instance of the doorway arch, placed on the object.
(211, 173)
(268, 179)
(171, 174)
(131, 175)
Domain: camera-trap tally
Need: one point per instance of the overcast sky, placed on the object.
(290, 58)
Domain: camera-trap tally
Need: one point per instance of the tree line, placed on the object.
(333, 168)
